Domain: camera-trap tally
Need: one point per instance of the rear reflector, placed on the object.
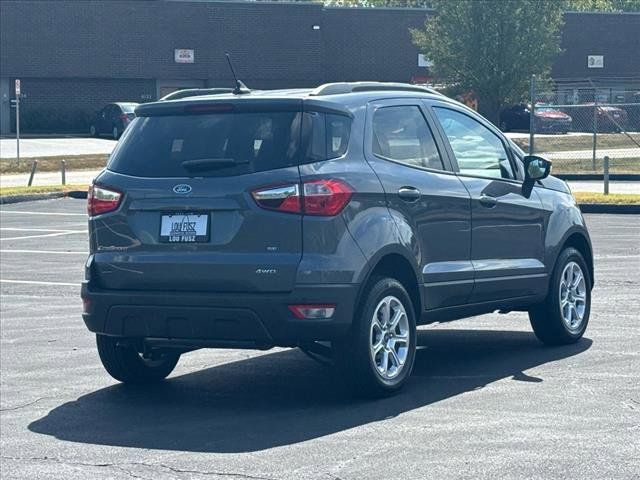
(102, 200)
(313, 311)
(321, 197)
(86, 305)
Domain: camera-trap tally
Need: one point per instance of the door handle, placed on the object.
(409, 194)
(488, 201)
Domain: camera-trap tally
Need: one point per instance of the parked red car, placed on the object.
(547, 119)
(609, 117)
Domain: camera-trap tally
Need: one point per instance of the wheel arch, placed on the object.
(579, 241)
(396, 265)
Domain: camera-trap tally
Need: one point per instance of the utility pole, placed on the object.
(532, 117)
(17, 121)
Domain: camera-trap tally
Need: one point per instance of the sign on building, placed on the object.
(595, 61)
(184, 55)
(423, 61)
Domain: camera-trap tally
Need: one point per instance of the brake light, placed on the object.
(321, 197)
(326, 197)
(210, 108)
(102, 200)
(124, 118)
(313, 311)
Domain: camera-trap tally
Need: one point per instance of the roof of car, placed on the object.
(340, 96)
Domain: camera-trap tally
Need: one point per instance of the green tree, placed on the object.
(492, 47)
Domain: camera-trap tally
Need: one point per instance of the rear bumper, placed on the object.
(218, 319)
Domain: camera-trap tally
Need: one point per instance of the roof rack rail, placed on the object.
(351, 87)
(194, 92)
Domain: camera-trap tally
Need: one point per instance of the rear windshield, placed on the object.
(225, 144)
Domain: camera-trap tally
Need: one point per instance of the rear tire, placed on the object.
(563, 317)
(115, 133)
(126, 365)
(92, 131)
(384, 326)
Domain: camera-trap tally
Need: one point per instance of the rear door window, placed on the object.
(226, 143)
(401, 134)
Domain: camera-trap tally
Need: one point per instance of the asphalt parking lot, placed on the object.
(486, 400)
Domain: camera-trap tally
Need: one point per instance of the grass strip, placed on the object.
(11, 191)
(52, 164)
(612, 198)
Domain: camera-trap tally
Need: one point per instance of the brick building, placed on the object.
(73, 56)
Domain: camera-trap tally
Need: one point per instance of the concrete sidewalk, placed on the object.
(52, 147)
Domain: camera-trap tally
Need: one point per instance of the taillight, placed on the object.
(326, 197)
(285, 198)
(320, 197)
(125, 118)
(102, 200)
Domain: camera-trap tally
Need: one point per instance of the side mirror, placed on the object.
(536, 168)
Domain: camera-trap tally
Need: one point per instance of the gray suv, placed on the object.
(334, 220)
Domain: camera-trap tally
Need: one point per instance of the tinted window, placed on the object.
(325, 135)
(402, 134)
(338, 130)
(156, 146)
(477, 149)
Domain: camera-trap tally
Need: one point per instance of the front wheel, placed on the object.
(92, 131)
(378, 356)
(123, 362)
(563, 317)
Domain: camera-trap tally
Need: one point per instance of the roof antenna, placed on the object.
(240, 87)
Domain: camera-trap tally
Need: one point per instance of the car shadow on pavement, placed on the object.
(283, 398)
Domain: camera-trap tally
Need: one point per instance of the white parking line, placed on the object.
(14, 229)
(48, 252)
(44, 235)
(34, 282)
(44, 213)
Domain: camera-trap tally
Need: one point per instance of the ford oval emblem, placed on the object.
(182, 189)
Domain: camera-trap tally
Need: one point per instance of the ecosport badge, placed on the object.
(182, 189)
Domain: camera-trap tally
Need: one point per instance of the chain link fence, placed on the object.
(577, 123)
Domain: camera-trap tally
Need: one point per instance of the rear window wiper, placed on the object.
(210, 163)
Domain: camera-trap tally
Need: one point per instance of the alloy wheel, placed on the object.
(573, 296)
(389, 337)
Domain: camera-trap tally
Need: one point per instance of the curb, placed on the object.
(614, 177)
(609, 208)
(32, 197)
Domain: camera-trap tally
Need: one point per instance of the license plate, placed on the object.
(184, 228)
